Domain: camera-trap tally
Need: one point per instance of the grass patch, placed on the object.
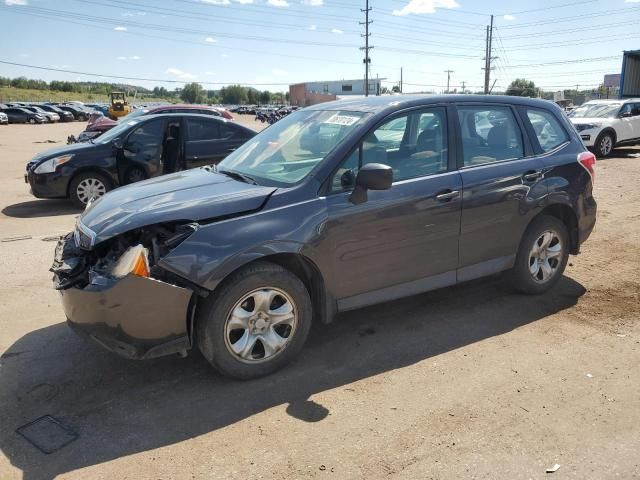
(11, 94)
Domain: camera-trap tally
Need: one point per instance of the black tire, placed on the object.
(521, 276)
(212, 314)
(604, 145)
(135, 175)
(86, 176)
(32, 121)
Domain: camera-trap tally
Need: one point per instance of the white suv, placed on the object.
(606, 124)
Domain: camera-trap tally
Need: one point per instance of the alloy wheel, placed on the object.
(606, 145)
(260, 325)
(545, 256)
(90, 188)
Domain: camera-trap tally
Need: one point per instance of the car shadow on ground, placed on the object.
(624, 153)
(40, 208)
(121, 407)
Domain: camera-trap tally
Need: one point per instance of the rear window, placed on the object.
(549, 132)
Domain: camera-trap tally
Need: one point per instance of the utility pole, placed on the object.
(463, 86)
(400, 79)
(488, 57)
(448, 72)
(366, 48)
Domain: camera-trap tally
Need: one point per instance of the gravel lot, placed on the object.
(469, 382)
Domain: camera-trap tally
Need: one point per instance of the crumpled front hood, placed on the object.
(192, 195)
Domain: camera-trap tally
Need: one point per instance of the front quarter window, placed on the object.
(286, 152)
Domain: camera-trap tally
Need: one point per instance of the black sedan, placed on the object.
(78, 112)
(63, 114)
(134, 150)
(22, 115)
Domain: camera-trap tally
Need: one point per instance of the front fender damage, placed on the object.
(136, 316)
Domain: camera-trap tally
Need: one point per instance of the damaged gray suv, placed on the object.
(334, 207)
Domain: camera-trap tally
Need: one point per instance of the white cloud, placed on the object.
(210, 40)
(209, 73)
(216, 2)
(15, 2)
(244, 2)
(278, 3)
(133, 14)
(632, 1)
(312, 27)
(121, 58)
(337, 30)
(225, 55)
(418, 7)
(132, 57)
(180, 74)
(279, 73)
(313, 3)
(511, 17)
(120, 29)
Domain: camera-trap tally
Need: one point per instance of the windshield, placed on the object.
(287, 151)
(596, 110)
(116, 131)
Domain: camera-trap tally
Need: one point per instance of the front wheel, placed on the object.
(256, 322)
(87, 186)
(542, 256)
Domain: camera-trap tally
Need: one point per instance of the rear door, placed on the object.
(501, 178)
(210, 140)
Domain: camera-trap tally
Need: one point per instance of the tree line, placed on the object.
(190, 93)
(230, 95)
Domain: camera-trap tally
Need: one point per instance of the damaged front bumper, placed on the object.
(136, 317)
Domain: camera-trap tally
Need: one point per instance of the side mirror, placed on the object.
(372, 176)
(118, 143)
(625, 114)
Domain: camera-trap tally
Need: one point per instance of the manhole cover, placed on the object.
(47, 434)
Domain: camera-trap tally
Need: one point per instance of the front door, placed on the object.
(141, 154)
(403, 240)
(499, 175)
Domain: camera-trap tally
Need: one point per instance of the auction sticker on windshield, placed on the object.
(344, 120)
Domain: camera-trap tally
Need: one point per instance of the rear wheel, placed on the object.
(604, 145)
(87, 186)
(542, 256)
(255, 323)
(32, 121)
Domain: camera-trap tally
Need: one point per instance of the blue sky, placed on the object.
(271, 43)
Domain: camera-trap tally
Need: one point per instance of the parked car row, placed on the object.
(23, 112)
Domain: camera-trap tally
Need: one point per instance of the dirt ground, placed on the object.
(468, 382)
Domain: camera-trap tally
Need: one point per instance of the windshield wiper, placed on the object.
(237, 176)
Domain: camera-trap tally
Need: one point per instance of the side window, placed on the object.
(146, 138)
(489, 134)
(549, 132)
(413, 145)
(202, 129)
(229, 131)
(635, 110)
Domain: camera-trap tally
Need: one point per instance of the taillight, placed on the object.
(588, 162)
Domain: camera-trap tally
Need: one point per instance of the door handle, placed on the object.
(232, 149)
(532, 176)
(447, 195)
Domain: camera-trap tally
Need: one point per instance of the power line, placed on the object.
(76, 72)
